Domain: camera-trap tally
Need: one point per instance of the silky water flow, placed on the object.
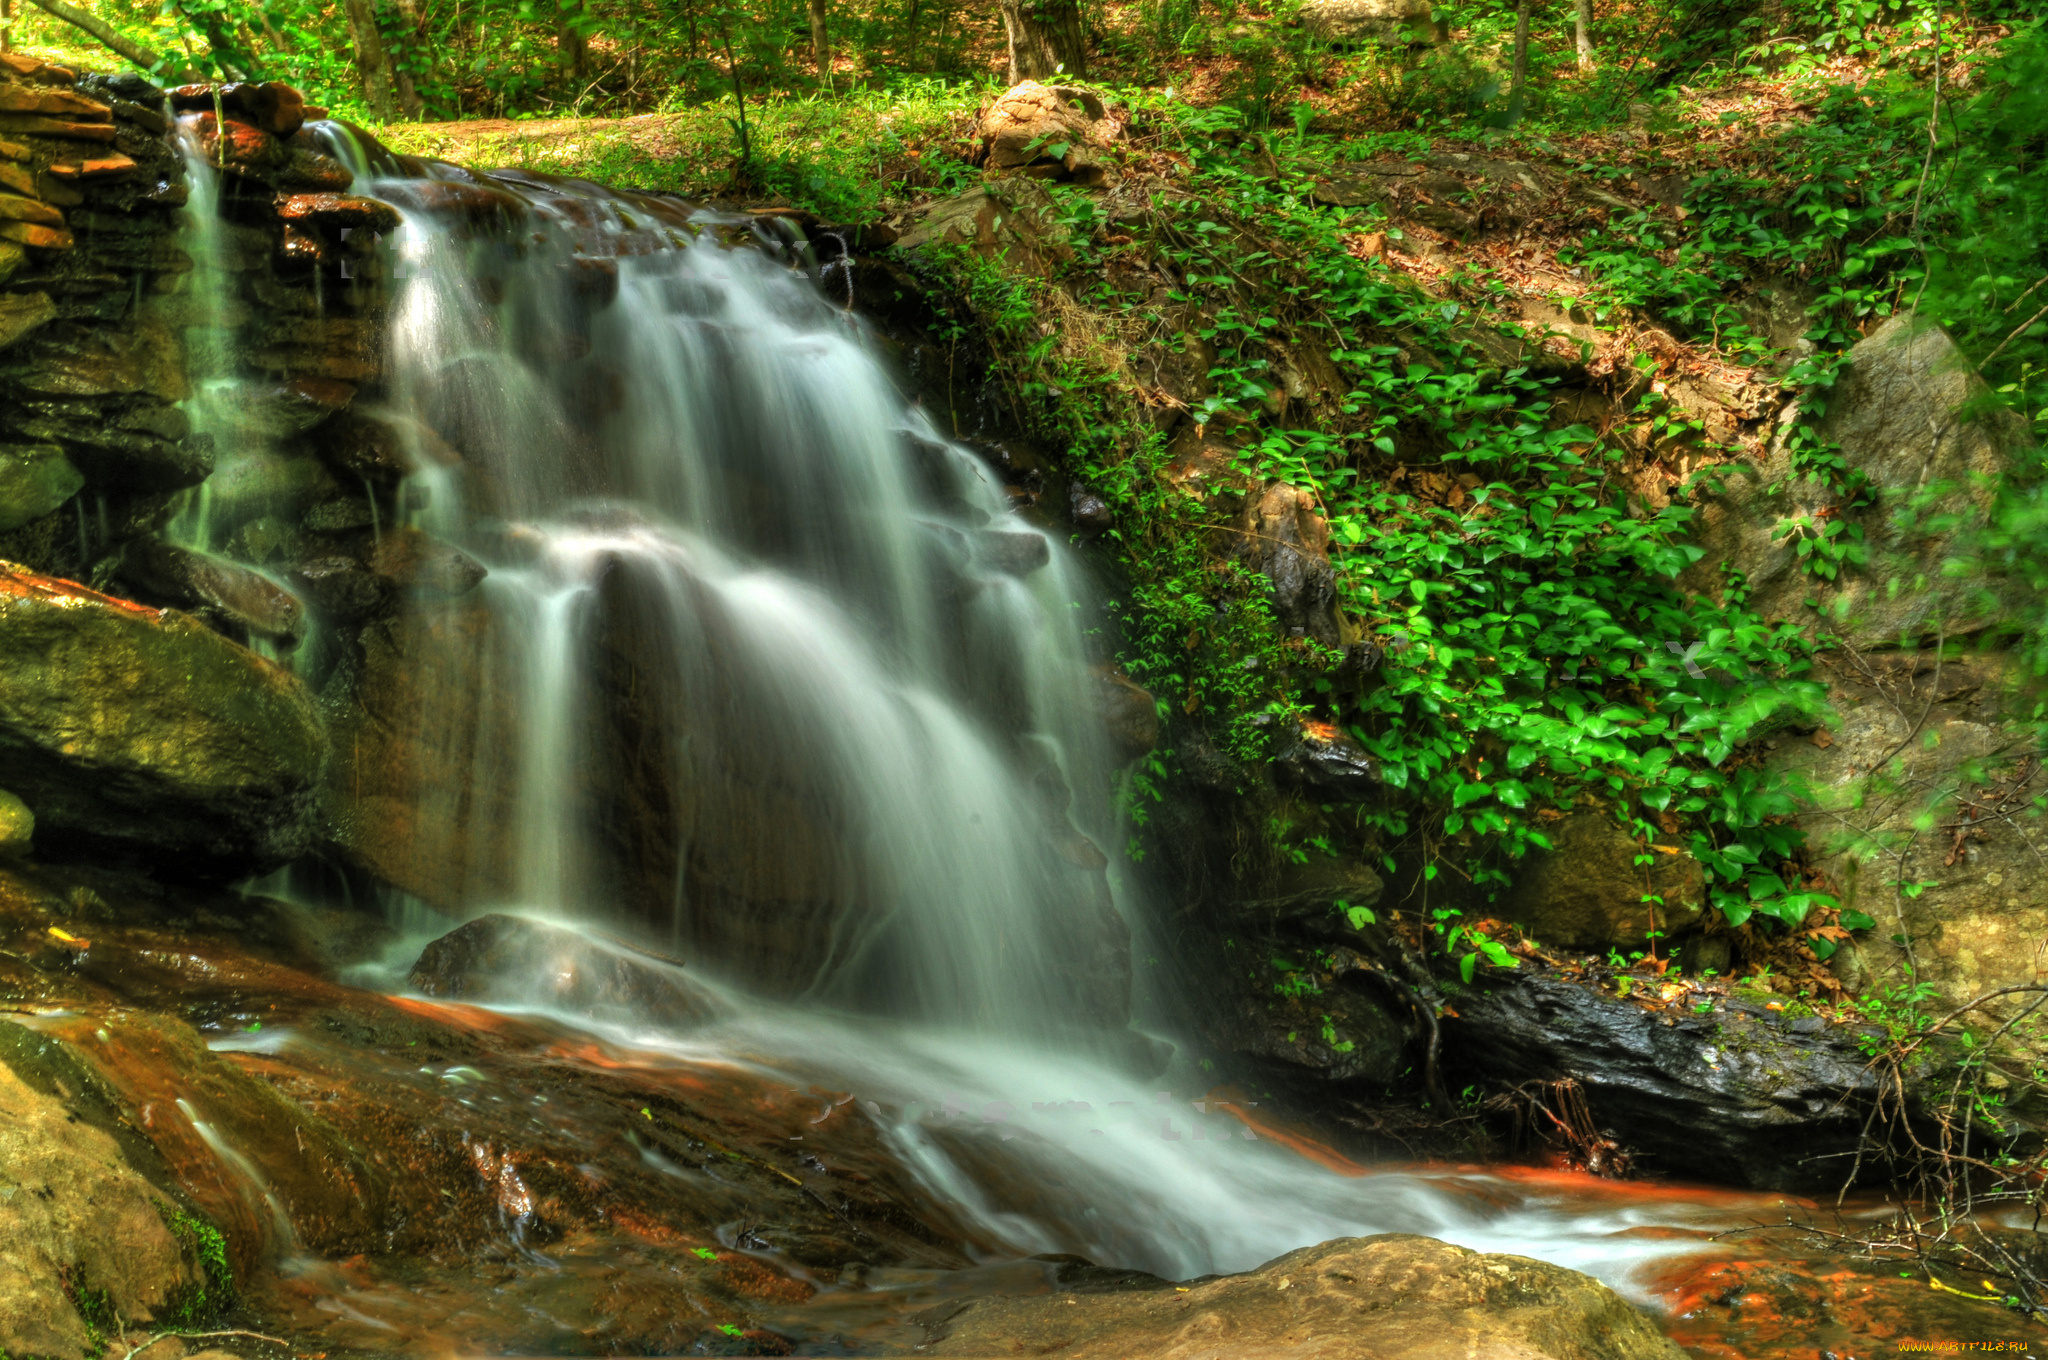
(731, 569)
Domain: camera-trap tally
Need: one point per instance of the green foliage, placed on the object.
(202, 1244)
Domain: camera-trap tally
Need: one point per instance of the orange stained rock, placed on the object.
(1322, 1154)
(56, 590)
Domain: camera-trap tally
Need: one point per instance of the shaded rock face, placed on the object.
(1587, 892)
(1901, 413)
(1285, 538)
(1391, 1297)
(1921, 773)
(76, 1214)
(509, 959)
(144, 733)
(1740, 1095)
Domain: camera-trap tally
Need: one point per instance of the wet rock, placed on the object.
(1911, 415)
(272, 106)
(23, 313)
(1284, 537)
(424, 565)
(341, 587)
(214, 587)
(510, 959)
(34, 480)
(1732, 1095)
(1129, 712)
(122, 444)
(1391, 1297)
(145, 734)
(339, 211)
(240, 148)
(381, 448)
(17, 825)
(1330, 760)
(76, 1214)
(1587, 892)
(1013, 554)
(1089, 511)
(1053, 126)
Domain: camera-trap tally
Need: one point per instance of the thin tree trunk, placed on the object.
(821, 43)
(572, 49)
(1045, 39)
(1583, 13)
(1521, 63)
(109, 39)
(373, 63)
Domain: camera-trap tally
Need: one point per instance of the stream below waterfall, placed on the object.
(768, 675)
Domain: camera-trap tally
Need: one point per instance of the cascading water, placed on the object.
(768, 671)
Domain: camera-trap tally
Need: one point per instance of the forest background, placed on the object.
(1862, 157)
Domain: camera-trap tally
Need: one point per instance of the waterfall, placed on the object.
(797, 693)
(767, 672)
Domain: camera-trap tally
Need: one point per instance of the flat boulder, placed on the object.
(1390, 1297)
(143, 732)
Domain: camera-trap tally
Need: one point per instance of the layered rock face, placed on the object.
(143, 732)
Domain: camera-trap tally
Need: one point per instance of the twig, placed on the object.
(2014, 336)
(201, 1336)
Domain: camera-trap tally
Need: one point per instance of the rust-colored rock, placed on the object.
(25, 99)
(40, 125)
(35, 234)
(93, 167)
(337, 210)
(272, 106)
(249, 151)
(29, 210)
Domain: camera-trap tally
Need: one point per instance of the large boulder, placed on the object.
(1909, 414)
(1588, 892)
(1391, 1297)
(143, 732)
(512, 959)
(1740, 1094)
(1386, 21)
(1926, 774)
(1048, 128)
(76, 1223)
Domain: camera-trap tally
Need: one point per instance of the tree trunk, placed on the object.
(373, 63)
(1045, 39)
(1583, 12)
(821, 43)
(1521, 63)
(112, 41)
(572, 49)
